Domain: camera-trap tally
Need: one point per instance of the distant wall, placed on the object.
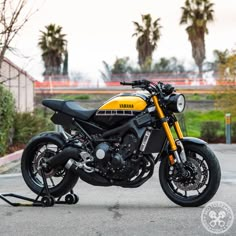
(20, 83)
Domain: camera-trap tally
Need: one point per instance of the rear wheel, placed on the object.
(202, 181)
(59, 180)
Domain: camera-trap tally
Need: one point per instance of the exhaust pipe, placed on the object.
(86, 173)
(70, 157)
(62, 157)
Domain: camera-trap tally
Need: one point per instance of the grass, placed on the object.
(73, 96)
(200, 97)
(194, 120)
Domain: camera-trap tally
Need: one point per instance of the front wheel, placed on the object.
(202, 181)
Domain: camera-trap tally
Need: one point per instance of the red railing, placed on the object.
(90, 84)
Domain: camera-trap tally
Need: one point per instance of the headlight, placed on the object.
(175, 102)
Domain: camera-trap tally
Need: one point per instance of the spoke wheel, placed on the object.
(53, 176)
(201, 182)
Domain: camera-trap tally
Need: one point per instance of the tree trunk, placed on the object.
(2, 53)
(200, 71)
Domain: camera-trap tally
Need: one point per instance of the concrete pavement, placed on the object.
(116, 211)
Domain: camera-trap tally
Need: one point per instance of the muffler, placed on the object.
(85, 174)
(62, 157)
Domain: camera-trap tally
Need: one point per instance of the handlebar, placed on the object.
(150, 86)
(136, 82)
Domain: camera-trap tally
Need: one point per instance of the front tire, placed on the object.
(202, 183)
(60, 181)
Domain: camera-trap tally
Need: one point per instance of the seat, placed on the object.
(70, 108)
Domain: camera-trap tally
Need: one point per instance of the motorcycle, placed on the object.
(119, 144)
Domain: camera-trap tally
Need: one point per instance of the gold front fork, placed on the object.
(165, 125)
(178, 130)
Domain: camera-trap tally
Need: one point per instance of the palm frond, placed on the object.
(148, 34)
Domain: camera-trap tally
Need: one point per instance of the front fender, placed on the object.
(193, 140)
(185, 140)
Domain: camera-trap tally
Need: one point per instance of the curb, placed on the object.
(11, 157)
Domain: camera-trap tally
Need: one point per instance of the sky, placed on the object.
(102, 30)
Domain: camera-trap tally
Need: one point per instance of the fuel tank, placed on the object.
(121, 107)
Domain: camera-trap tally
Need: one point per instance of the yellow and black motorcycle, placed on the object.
(119, 144)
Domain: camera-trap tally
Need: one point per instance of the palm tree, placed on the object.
(221, 56)
(220, 63)
(148, 35)
(197, 13)
(121, 66)
(168, 65)
(65, 63)
(53, 45)
(106, 74)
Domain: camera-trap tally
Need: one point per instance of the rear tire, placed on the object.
(207, 177)
(60, 181)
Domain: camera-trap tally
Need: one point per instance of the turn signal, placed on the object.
(172, 160)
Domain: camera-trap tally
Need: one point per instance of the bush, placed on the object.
(209, 130)
(194, 119)
(7, 112)
(226, 100)
(27, 125)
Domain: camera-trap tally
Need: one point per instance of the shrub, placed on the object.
(209, 130)
(196, 97)
(27, 125)
(6, 118)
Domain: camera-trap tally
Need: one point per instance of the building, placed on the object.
(20, 83)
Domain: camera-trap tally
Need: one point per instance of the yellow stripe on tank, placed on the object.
(131, 103)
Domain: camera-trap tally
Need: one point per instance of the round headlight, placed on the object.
(175, 102)
(180, 103)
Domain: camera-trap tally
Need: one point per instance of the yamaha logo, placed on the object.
(126, 106)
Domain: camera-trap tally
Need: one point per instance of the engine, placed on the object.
(116, 160)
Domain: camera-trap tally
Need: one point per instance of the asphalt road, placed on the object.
(116, 211)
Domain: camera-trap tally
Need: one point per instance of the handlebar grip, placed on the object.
(136, 83)
(127, 83)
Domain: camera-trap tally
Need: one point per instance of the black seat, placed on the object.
(70, 108)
